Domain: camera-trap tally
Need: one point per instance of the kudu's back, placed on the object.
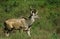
(16, 23)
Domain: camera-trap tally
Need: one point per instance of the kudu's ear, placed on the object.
(36, 12)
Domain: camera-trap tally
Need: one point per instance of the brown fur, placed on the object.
(16, 23)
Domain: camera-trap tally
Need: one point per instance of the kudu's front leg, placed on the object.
(28, 32)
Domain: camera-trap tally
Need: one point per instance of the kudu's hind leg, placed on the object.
(6, 32)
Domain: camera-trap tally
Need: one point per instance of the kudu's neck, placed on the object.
(31, 18)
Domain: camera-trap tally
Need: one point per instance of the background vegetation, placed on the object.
(47, 27)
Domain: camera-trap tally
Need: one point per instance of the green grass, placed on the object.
(36, 33)
(43, 28)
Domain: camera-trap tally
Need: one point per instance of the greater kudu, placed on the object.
(20, 23)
